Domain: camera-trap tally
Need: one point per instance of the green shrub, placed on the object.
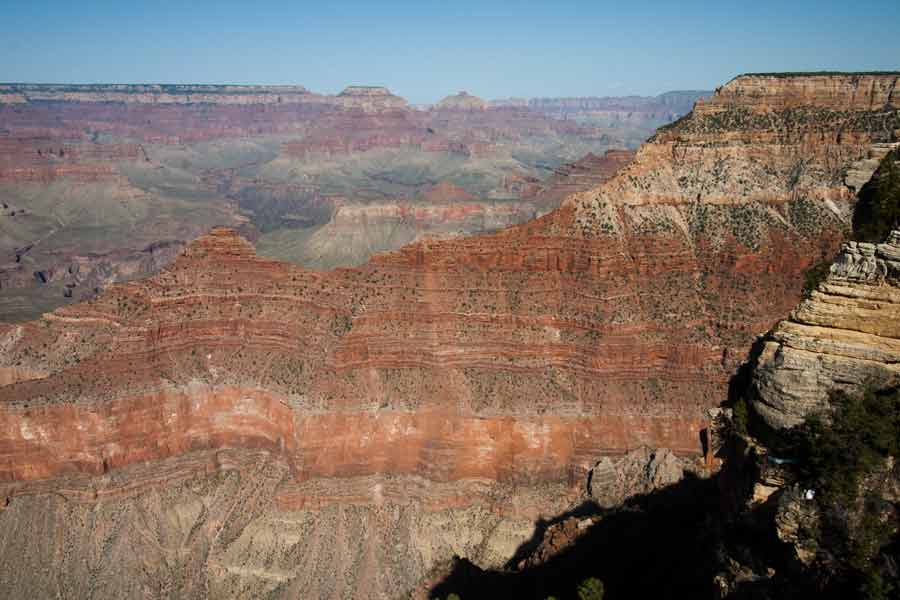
(815, 275)
(862, 433)
(835, 455)
(878, 208)
(740, 416)
(590, 589)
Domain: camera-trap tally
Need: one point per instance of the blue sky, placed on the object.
(424, 50)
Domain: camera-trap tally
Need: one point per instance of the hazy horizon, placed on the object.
(425, 51)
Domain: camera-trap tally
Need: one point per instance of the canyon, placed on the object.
(230, 425)
(106, 183)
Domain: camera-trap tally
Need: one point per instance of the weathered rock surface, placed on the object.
(92, 175)
(462, 101)
(205, 525)
(670, 105)
(845, 336)
(640, 471)
(451, 375)
(584, 174)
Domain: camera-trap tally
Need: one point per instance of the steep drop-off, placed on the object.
(845, 337)
(472, 381)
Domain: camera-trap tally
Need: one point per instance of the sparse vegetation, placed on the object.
(815, 275)
(836, 450)
(878, 208)
(842, 456)
(590, 589)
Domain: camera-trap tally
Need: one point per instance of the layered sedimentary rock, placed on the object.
(472, 381)
(844, 337)
(358, 231)
(828, 91)
(369, 98)
(683, 100)
(21, 93)
(582, 175)
(618, 112)
(89, 174)
(462, 101)
(641, 471)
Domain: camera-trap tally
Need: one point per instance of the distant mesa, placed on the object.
(366, 97)
(462, 101)
(369, 98)
(23, 93)
(366, 91)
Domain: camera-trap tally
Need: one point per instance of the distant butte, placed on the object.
(462, 101)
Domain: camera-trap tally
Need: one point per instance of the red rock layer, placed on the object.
(520, 356)
(43, 159)
(584, 174)
(445, 192)
(470, 133)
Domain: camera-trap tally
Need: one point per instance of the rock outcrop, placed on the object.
(582, 175)
(844, 337)
(676, 104)
(462, 101)
(641, 471)
(23, 93)
(369, 98)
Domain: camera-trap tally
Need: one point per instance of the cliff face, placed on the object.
(475, 374)
(820, 495)
(363, 97)
(845, 336)
(462, 101)
(677, 103)
(92, 175)
(582, 175)
(829, 91)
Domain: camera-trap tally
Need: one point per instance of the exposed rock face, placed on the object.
(446, 193)
(356, 232)
(205, 526)
(462, 101)
(90, 176)
(582, 175)
(33, 159)
(844, 336)
(848, 91)
(621, 108)
(446, 377)
(369, 98)
(641, 471)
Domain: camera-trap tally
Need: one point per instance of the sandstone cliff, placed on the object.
(845, 336)
(819, 494)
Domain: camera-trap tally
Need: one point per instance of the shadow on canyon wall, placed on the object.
(660, 545)
(668, 544)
